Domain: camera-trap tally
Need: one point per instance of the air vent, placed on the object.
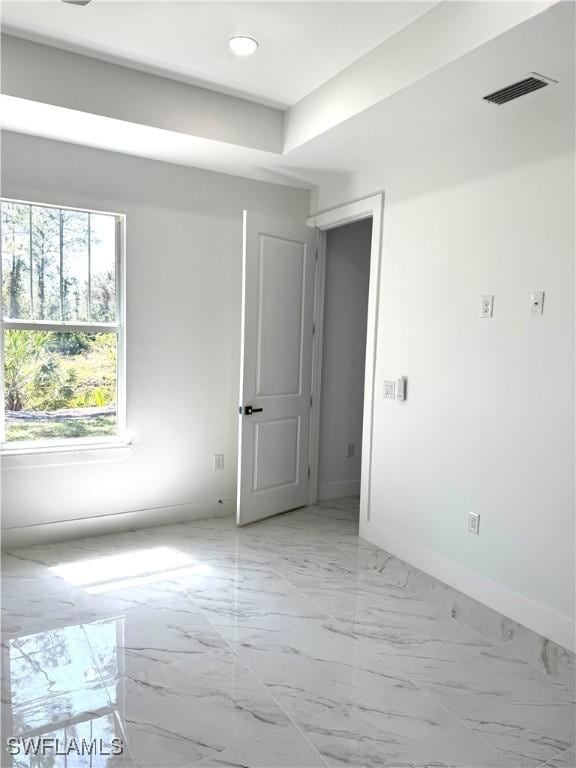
(531, 83)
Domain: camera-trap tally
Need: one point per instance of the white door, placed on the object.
(276, 366)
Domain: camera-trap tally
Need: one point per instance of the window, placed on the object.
(62, 330)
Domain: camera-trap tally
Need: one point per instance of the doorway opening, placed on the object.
(344, 355)
(345, 314)
(280, 424)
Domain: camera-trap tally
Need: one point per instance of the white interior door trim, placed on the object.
(369, 207)
(317, 348)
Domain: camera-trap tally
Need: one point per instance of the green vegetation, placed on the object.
(58, 266)
(52, 429)
(59, 384)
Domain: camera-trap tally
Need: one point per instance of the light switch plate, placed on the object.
(390, 390)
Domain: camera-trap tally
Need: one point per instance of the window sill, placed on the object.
(7, 449)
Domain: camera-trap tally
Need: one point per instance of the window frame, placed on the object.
(118, 327)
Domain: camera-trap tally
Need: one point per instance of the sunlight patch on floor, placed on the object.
(104, 574)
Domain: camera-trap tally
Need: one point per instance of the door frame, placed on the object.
(369, 207)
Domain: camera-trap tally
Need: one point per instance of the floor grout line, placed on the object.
(267, 560)
(375, 693)
(113, 709)
(559, 755)
(407, 676)
(264, 688)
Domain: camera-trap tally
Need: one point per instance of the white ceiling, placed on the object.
(439, 119)
(302, 44)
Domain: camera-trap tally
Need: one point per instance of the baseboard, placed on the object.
(338, 489)
(44, 533)
(537, 617)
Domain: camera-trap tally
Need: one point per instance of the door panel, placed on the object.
(276, 454)
(276, 366)
(280, 316)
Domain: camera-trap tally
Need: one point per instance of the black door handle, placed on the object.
(247, 410)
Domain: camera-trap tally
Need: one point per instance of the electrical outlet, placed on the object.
(536, 303)
(350, 450)
(390, 390)
(474, 523)
(487, 306)
(218, 462)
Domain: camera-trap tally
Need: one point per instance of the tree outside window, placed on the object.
(61, 323)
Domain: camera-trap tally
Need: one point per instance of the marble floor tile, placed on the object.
(290, 643)
(97, 726)
(336, 529)
(90, 547)
(51, 662)
(282, 544)
(349, 503)
(33, 595)
(454, 747)
(375, 731)
(378, 566)
(28, 560)
(318, 563)
(176, 714)
(235, 566)
(341, 596)
(40, 608)
(199, 544)
(156, 634)
(284, 748)
(548, 657)
(413, 636)
(365, 566)
(52, 688)
(103, 585)
(528, 717)
(117, 599)
(483, 619)
(563, 760)
(264, 603)
(313, 670)
(490, 623)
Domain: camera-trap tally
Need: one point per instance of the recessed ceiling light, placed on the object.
(243, 46)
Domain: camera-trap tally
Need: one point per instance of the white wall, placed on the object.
(489, 425)
(478, 200)
(343, 357)
(489, 421)
(184, 230)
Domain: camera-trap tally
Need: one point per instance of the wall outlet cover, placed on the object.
(474, 523)
(536, 303)
(487, 306)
